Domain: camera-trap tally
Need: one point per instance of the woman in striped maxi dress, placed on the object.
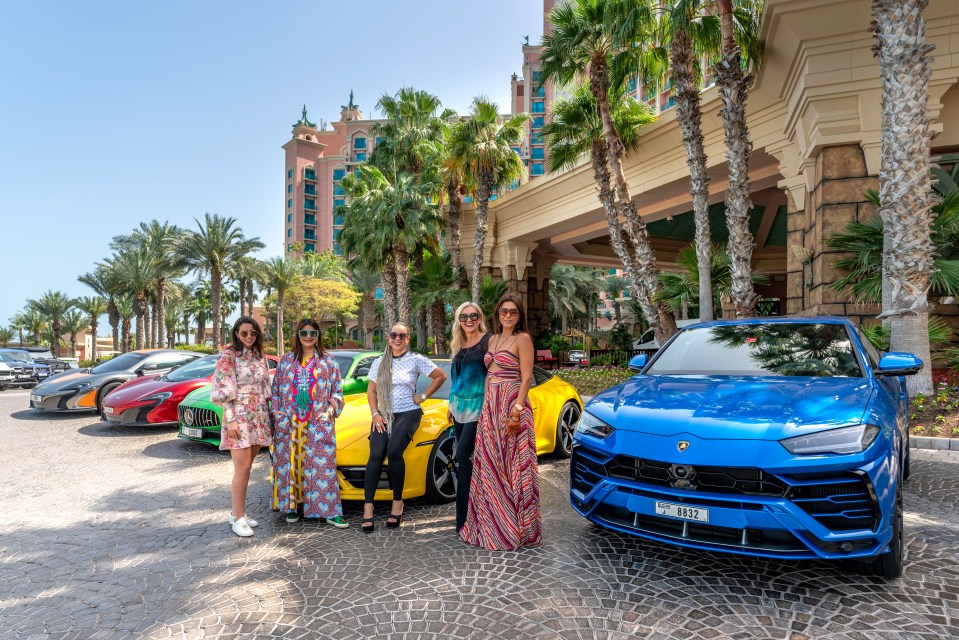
(504, 510)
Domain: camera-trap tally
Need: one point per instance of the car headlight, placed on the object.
(591, 425)
(159, 397)
(853, 439)
(78, 387)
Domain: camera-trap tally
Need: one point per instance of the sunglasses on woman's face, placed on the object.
(469, 316)
(398, 336)
(309, 333)
(248, 334)
(504, 312)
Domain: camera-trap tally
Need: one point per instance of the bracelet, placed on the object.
(377, 413)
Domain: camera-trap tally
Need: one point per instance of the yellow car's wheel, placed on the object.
(441, 469)
(565, 426)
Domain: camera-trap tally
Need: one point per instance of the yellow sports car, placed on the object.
(430, 467)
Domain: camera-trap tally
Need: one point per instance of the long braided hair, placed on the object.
(384, 380)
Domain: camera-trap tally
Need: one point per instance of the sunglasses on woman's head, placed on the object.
(398, 336)
(248, 334)
(508, 312)
(309, 333)
(469, 316)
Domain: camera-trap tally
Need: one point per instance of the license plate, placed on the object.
(34, 398)
(191, 433)
(682, 512)
(108, 410)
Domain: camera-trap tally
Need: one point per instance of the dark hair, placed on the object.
(237, 345)
(521, 326)
(298, 346)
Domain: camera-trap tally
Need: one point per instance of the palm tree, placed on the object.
(739, 36)
(94, 307)
(19, 326)
(324, 266)
(74, 322)
(99, 281)
(171, 322)
(280, 275)
(6, 335)
(199, 305)
(483, 147)
(564, 294)
(433, 287)
(905, 183)
(410, 138)
(124, 306)
(134, 272)
(490, 292)
(454, 190)
(596, 39)
(53, 305)
(366, 282)
(211, 248)
(34, 322)
(614, 286)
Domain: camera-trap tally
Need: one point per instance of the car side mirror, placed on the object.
(364, 371)
(150, 366)
(898, 363)
(638, 363)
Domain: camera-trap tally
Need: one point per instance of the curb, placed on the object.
(937, 444)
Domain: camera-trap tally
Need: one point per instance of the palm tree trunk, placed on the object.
(388, 282)
(905, 184)
(216, 285)
(369, 319)
(113, 315)
(438, 321)
(186, 327)
(733, 84)
(241, 285)
(422, 314)
(141, 308)
(455, 218)
(94, 326)
(249, 296)
(20, 335)
(689, 116)
(483, 192)
(644, 273)
(280, 300)
(161, 308)
(401, 261)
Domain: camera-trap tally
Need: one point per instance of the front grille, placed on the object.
(356, 476)
(200, 417)
(731, 480)
(769, 540)
(840, 503)
(585, 472)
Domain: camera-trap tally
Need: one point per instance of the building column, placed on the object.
(838, 197)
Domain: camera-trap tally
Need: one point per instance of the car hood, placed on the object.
(142, 387)
(70, 378)
(733, 408)
(354, 422)
(199, 397)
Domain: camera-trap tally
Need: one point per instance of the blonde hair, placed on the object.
(384, 380)
(459, 334)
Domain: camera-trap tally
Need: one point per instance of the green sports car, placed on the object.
(200, 419)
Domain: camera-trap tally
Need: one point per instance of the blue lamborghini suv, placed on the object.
(772, 437)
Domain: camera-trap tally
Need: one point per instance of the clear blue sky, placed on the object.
(113, 112)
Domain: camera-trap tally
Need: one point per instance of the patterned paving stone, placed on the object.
(120, 532)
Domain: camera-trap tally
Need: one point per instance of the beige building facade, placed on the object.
(814, 118)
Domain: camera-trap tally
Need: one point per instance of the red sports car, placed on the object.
(154, 401)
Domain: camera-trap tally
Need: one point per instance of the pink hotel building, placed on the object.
(317, 158)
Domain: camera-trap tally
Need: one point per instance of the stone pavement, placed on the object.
(121, 533)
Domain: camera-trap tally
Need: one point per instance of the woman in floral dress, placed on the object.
(241, 385)
(307, 398)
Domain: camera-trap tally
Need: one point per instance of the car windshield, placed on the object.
(344, 363)
(200, 368)
(20, 356)
(121, 363)
(443, 393)
(42, 354)
(6, 358)
(773, 349)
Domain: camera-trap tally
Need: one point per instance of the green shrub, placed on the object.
(594, 379)
(196, 348)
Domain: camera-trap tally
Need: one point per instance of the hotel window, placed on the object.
(539, 106)
(309, 247)
(309, 174)
(338, 190)
(338, 219)
(378, 293)
(539, 92)
(338, 202)
(309, 189)
(289, 188)
(537, 169)
(538, 122)
(338, 174)
(359, 143)
(536, 137)
(631, 85)
(359, 157)
(537, 77)
(309, 203)
(310, 219)
(336, 234)
(289, 174)
(379, 140)
(309, 234)
(517, 150)
(289, 233)
(337, 249)
(289, 217)
(539, 153)
(289, 204)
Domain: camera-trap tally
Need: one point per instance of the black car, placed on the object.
(43, 355)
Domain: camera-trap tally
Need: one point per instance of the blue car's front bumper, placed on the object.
(829, 507)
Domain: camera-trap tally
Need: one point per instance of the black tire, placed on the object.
(889, 564)
(104, 391)
(565, 427)
(441, 469)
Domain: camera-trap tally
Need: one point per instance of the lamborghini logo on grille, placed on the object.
(682, 445)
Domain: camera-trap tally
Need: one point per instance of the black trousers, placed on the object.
(391, 447)
(465, 443)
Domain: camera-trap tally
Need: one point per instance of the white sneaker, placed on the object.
(250, 521)
(241, 528)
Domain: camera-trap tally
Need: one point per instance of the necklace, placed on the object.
(505, 347)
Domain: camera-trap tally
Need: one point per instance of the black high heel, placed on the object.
(370, 528)
(394, 521)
